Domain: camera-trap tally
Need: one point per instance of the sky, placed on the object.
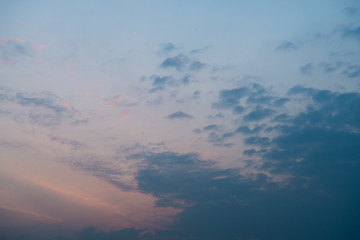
(183, 120)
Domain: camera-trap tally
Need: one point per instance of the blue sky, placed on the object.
(179, 120)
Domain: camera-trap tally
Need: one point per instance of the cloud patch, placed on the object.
(179, 115)
(286, 46)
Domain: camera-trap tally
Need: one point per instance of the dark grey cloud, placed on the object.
(286, 45)
(179, 115)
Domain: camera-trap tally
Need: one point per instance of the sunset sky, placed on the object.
(186, 120)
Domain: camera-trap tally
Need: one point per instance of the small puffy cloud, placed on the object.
(167, 47)
(179, 115)
(286, 45)
(160, 81)
(178, 62)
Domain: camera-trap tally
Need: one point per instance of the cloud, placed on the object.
(307, 69)
(12, 49)
(241, 208)
(230, 98)
(261, 141)
(167, 47)
(43, 108)
(286, 45)
(197, 65)
(259, 114)
(197, 130)
(66, 141)
(352, 11)
(160, 83)
(238, 109)
(352, 71)
(280, 102)
(212, 127)
(347, 69)
(178, 62)
(215, 116)
(352, 32)
(246, 130)
(179, 115)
